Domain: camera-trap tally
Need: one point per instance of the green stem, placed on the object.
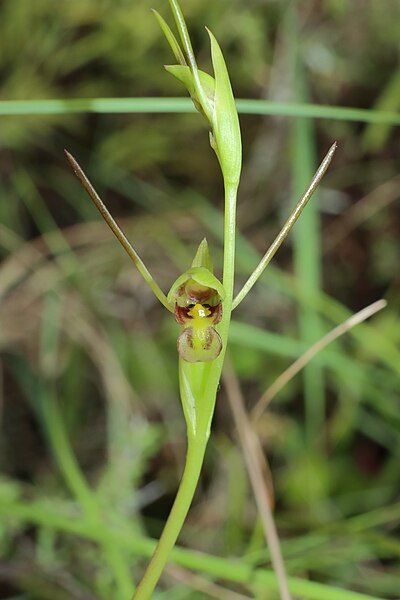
(176, 519)
(214, 374)
(229, 245)
(202, 396)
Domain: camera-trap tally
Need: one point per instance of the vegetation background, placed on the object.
(93, 438)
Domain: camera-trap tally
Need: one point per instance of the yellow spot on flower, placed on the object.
(198, 311)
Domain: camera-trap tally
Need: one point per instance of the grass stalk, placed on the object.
(65, 106)
(307, 244)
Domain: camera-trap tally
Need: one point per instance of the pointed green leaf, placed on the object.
(201, 96)
(171, 39)
(185, 76)
(202, 257)
(226, 129)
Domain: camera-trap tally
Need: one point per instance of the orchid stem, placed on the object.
(194, 461)
(198, 437)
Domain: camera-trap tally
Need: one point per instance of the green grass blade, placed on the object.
(185, 105)
(40, 512)
(307, 246)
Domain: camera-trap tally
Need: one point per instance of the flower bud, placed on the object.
(212, 97)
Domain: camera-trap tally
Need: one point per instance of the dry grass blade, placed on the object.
(117, 231)
(361, 211)
(254, 461)
(196, 582)
(303, 360)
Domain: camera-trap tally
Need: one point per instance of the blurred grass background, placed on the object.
(93, 438)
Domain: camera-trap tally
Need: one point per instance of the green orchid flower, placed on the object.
(197, 296)
(202, 305)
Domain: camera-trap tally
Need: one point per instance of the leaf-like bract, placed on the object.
(225, 121)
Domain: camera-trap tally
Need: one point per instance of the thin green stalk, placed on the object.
(199, 384)
(307, 246)
(249, 106)
(308, 270)
(229, 244)
(228, 281)
(176, 519)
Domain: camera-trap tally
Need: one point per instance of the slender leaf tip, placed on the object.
(226, 137)
(71, 160)
(117, 231)
(284, 232)
(170, 37)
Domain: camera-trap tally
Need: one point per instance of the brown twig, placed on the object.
(360, 212)
(196, 582)
(254, 461)
(305, 358)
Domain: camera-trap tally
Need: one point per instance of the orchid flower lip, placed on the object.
(198, 309)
